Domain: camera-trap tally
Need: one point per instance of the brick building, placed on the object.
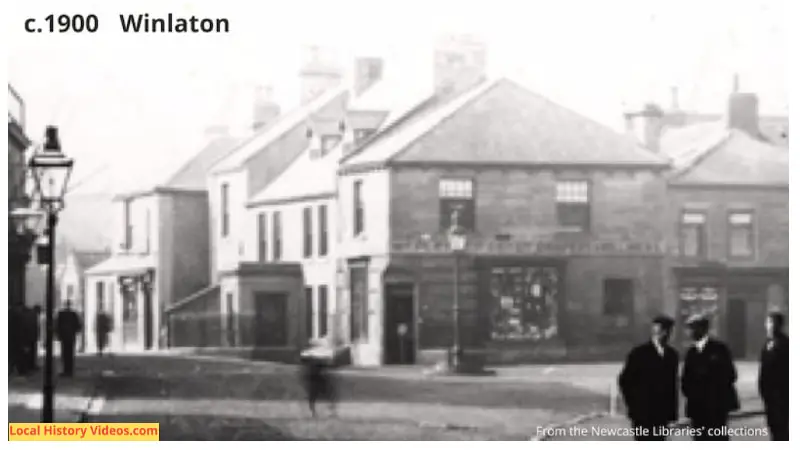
(729, 206)
(564, 254)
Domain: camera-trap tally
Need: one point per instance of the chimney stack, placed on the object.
(368, 71)
(317, 75)
(459, 64)
(646, 125)
(742, 113)
(265, 109)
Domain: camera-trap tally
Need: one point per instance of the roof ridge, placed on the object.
(466, 98)
(703, 155)
(233, 141)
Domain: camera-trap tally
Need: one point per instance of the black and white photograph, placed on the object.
(377, 220)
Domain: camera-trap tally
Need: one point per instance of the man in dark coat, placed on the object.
(649, 383)
(320, 384)
(68, 325)
(103, 327)
(709, 383)
(32, 333)
(773, 378)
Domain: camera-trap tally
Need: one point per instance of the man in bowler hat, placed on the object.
(68, 325)
(773, 377)
(649, 383)
(709, 383)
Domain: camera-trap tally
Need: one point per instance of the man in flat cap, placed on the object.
(709, 383)
(773, 377)
(649, 382)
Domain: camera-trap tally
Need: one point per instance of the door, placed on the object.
(737, 327)
(271, 319)
(130, 314)
(400, 332)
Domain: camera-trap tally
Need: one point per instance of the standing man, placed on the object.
(103, 326)
(68, 325)
(773, 377)
(709, 383)
(32, 333)
(649, 383)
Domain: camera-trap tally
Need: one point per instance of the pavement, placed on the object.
(210, 398)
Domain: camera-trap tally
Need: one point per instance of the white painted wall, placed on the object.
(228, 251)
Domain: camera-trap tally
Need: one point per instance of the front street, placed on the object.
(204, 399)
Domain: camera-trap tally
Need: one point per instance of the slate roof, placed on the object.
(306, 177)
(192, 176)
(736, 159)
(284, 124)
(500, 122)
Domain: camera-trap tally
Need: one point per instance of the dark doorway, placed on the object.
(400, 332)
(271, 319)
(737, 327)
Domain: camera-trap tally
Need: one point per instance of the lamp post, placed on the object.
(51, 170)
(458, 242)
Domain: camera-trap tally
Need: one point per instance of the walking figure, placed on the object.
(317, 364)
(32, 333)
(68, 325)
(103, 326)
(649, 383)
(709, 383)
(773, 378)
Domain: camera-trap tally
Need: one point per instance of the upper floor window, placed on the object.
(358, 207)
(262, 237)
(308, 233)
(329, 141)
(127, 222)
(457, 203)
(224, 200)
(693, 233)
(323, 229)
(147, 235)
(362, 134)
(277, 231)
(573, 204)
(741, 234)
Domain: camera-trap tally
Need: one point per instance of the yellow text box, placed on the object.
(83, 431)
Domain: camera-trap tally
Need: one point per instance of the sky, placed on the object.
(132, 107)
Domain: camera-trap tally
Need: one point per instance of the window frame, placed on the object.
(322, 224)
(457, 191)
(262, 236)
(277, 236)
(308, 232)
(751, 228)
(574, 200)
(358, 208)
(225, 209)
(322, 310)
(702, 233)
(308, 298)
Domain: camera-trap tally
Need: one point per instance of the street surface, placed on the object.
(195, 398)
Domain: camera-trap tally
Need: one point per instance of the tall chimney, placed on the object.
(368, 71)
(459, 64)
(317, 75)
(265, 109)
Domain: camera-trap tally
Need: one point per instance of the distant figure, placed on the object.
(773, 378)
(102, 327)
(68, 325)
(649, 382)
(709, 383)
(32, 334)
(319, 382)
(16, 330)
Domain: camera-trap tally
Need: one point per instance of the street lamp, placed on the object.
(457, 237)
(51, 170)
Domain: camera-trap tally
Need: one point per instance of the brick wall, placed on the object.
(771, 207)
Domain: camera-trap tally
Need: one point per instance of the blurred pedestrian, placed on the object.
(709, 383)
(68, 325)
(649, 383)
(317, 364)
(773, 377)
(103, 326)
(32, 335)
(16, 335)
